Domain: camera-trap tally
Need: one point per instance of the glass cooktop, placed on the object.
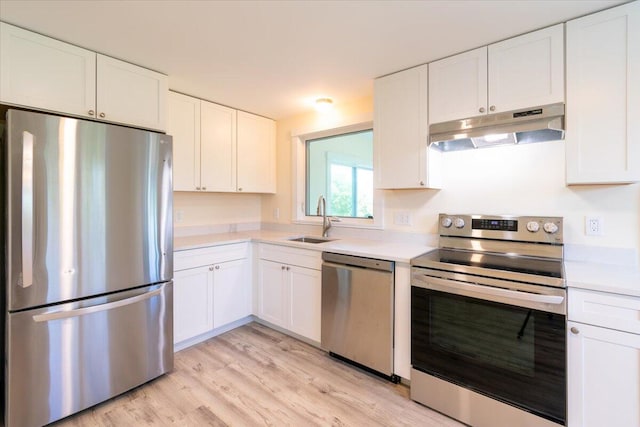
(457, 260)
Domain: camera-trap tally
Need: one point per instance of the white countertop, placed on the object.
(392, 251)
(617, 279)
(624, 280)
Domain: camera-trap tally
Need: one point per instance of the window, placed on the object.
(335, 160)
(340, 168)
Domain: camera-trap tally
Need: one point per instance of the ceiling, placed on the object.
(274, 57)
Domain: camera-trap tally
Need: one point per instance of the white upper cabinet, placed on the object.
(603, 97)
(218, 147)
(256, 154)
(41, 72)
(44, 73)
(458, 86)
(525, 71)
(183, 123)
(402, 157)
(130, 94)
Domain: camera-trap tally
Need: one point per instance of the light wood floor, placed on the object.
(255, 376)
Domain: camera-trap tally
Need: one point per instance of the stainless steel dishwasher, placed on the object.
(357, 311)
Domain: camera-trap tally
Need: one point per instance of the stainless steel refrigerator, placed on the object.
(88, 261)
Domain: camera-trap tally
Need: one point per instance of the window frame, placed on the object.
(299, 184)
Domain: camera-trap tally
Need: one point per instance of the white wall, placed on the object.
(522, 180)
(527, 179)
(200, 209)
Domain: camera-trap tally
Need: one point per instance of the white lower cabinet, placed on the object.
(306, 298)
(192, 311)
(289, 289)
(272, 291)
(603, 363)
(231, 292)
(212, 288)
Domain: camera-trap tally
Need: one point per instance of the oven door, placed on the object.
(501, 343)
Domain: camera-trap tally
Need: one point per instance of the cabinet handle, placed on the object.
(91, 112)
(102, 115)
(288, 268)
(239, 188)
(492, 108)
(282, 267)
(204, 188)
(482, 110)
(575, 330)
(217, 267)
(422, 183)
(198, 188)
(210, 268)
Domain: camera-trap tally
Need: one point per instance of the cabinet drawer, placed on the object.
(192, 258)
(292, 256)
(607, 310)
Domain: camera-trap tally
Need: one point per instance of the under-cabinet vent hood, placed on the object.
(539, 124)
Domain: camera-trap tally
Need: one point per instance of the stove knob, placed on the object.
(446, 222)
(459, 223)
(550, 227)
(533, 226)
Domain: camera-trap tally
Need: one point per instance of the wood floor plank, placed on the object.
(255, 376)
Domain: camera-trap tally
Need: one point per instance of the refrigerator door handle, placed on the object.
(27, 210)
(65, 314)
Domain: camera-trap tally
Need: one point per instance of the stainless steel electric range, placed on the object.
(488, 344)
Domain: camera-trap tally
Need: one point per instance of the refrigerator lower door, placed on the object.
(65, 358)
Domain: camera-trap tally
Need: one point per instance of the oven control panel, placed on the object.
(502, 227)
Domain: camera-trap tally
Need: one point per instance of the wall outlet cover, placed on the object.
(593, 226)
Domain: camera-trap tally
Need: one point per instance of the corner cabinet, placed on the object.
(44, 73)
(219, 149)
(524, 71)
(402, 156)
(603, 97)
(603, 347)
(289, 289)
(212, 289)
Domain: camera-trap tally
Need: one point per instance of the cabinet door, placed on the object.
(603, 97)
(192, 303)
(256, 154)
(305, 302)
(130, 94)
(218, 141)
(183, 123)
(231, 292)
(401, 154)
(458, 86)
(603, 377)
(273, 293)
(41, 72)
(527, 71)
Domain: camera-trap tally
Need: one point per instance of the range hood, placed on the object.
(545, 123)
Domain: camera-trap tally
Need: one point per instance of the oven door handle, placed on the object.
(473, 290)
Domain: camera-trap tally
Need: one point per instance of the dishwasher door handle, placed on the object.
(368, 264)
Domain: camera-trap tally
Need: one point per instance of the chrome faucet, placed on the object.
(326, 222)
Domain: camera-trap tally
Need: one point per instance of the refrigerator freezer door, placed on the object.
(89, 209)
(68, 357)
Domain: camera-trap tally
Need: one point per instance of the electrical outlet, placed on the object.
(593, 226)
(402, 218)
(179, 215)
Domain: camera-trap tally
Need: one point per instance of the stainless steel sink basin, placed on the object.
(308, 239)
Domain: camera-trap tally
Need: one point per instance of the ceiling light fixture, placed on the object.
(324, 104)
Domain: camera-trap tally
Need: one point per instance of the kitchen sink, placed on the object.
(309, 239)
